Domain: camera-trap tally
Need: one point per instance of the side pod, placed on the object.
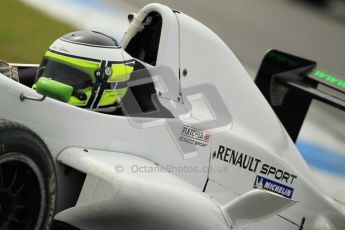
(252, 207)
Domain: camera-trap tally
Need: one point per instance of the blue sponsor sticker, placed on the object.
(270, 185)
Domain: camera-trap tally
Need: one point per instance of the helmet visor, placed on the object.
(64, 73)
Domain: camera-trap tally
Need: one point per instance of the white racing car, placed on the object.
(164, 131)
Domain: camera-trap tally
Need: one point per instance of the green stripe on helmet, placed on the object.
(120, 72)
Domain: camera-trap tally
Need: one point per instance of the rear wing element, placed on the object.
(289, 83)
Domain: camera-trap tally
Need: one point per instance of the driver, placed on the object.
(89, 68)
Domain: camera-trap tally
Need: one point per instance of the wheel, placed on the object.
(27, 179)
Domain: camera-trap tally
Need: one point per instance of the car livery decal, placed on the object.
(270, 185)
(194, 136)
(252, 164)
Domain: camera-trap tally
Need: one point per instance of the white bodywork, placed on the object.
(118, 153)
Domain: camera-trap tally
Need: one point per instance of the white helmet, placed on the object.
(88, 69)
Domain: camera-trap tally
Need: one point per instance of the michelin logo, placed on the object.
(270, 185)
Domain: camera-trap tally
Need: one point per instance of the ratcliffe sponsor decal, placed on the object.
(270, 185)
(194, 136)
(252, 164)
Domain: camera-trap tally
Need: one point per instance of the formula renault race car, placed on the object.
(164, 131)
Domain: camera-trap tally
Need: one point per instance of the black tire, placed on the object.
(27, 179)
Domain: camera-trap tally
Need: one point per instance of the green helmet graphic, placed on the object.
(85, 69)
